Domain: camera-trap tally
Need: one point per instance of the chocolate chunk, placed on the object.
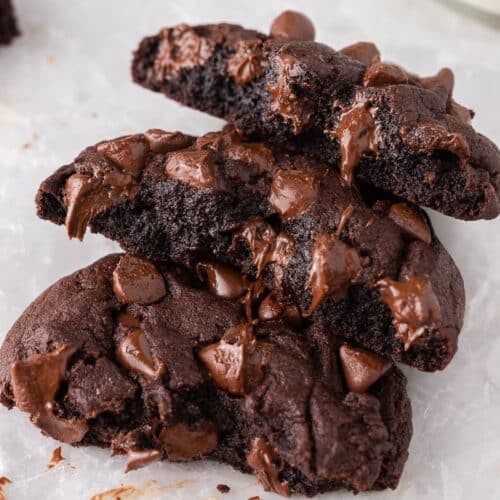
(409, 218)
(267, 466)
(414, 306)
(357, 134)
(265, 245)
(362, 368)
(227, 360)
(180, 48)
(161, 141)
(183, 443)
(247, 63)
(35, 382)
(140, 458)
(223, 280)
(292, 25)
(380, 74)
(128, 153)
(137, 281)
(364, 52)
(292, 192)
(255, 154)
(194, 168)
(133, 353)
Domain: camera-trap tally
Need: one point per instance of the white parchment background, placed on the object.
(65, 85)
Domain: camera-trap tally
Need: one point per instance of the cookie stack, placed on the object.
(276, 270)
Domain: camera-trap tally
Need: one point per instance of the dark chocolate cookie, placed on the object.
(143, 359)
(374, 120)
(371, 271)
(8, 25)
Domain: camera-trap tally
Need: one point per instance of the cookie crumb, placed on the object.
(223, 488)
(55, 459)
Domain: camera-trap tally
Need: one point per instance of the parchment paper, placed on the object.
(65, 85)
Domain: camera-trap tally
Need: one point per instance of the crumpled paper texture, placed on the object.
(65, 85)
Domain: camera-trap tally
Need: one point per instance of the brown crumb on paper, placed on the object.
(223, 488)
(55, 459)
(4, 481)
(146, 490)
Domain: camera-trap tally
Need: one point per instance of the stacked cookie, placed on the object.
(276, 270)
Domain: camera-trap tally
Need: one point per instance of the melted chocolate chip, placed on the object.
(292, 192)
(128, 153)
(361, 368)
(414, 306)
(364, 52)
(267, 466)
(283, 99)
(183, 443)
(181, 47)
(356, 133)
(270, 308)
(224, 281)
(140, 458)
(133, 353)
(334, 265)
(254, 154)
(380, 74)
(194, 168)
(292, 25)
(225, 360)
(265, 246)
(35, 382)
(411, 221)
(430, 137)
(247, 63)
(137, 281)
(161, 141)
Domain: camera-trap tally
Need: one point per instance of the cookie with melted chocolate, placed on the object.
(176, 372)
(371, 120)
(8, 24)
(252, 218)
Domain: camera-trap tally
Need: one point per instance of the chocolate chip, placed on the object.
(429, 137)
(194, 168)
(356, 133)
(409, 218)
(137, 281)
(334, 265)
(223, 280)
(247, 63)
(414, 306)
(380, 74)
(361, 368)
(265, 245)
(128, 153)
(183, 443)
(293, 25)
(292, 192)
(270, 308)
(35, 382)
(134, 354)
(225, 360)
(267, 466)
(161, 141)
(254, 154)
(181, 47)
(140, 458)
(364, 52)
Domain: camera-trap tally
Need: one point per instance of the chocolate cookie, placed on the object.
(143, 359)
(8, 25)
(245, 215)
(370, 119)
